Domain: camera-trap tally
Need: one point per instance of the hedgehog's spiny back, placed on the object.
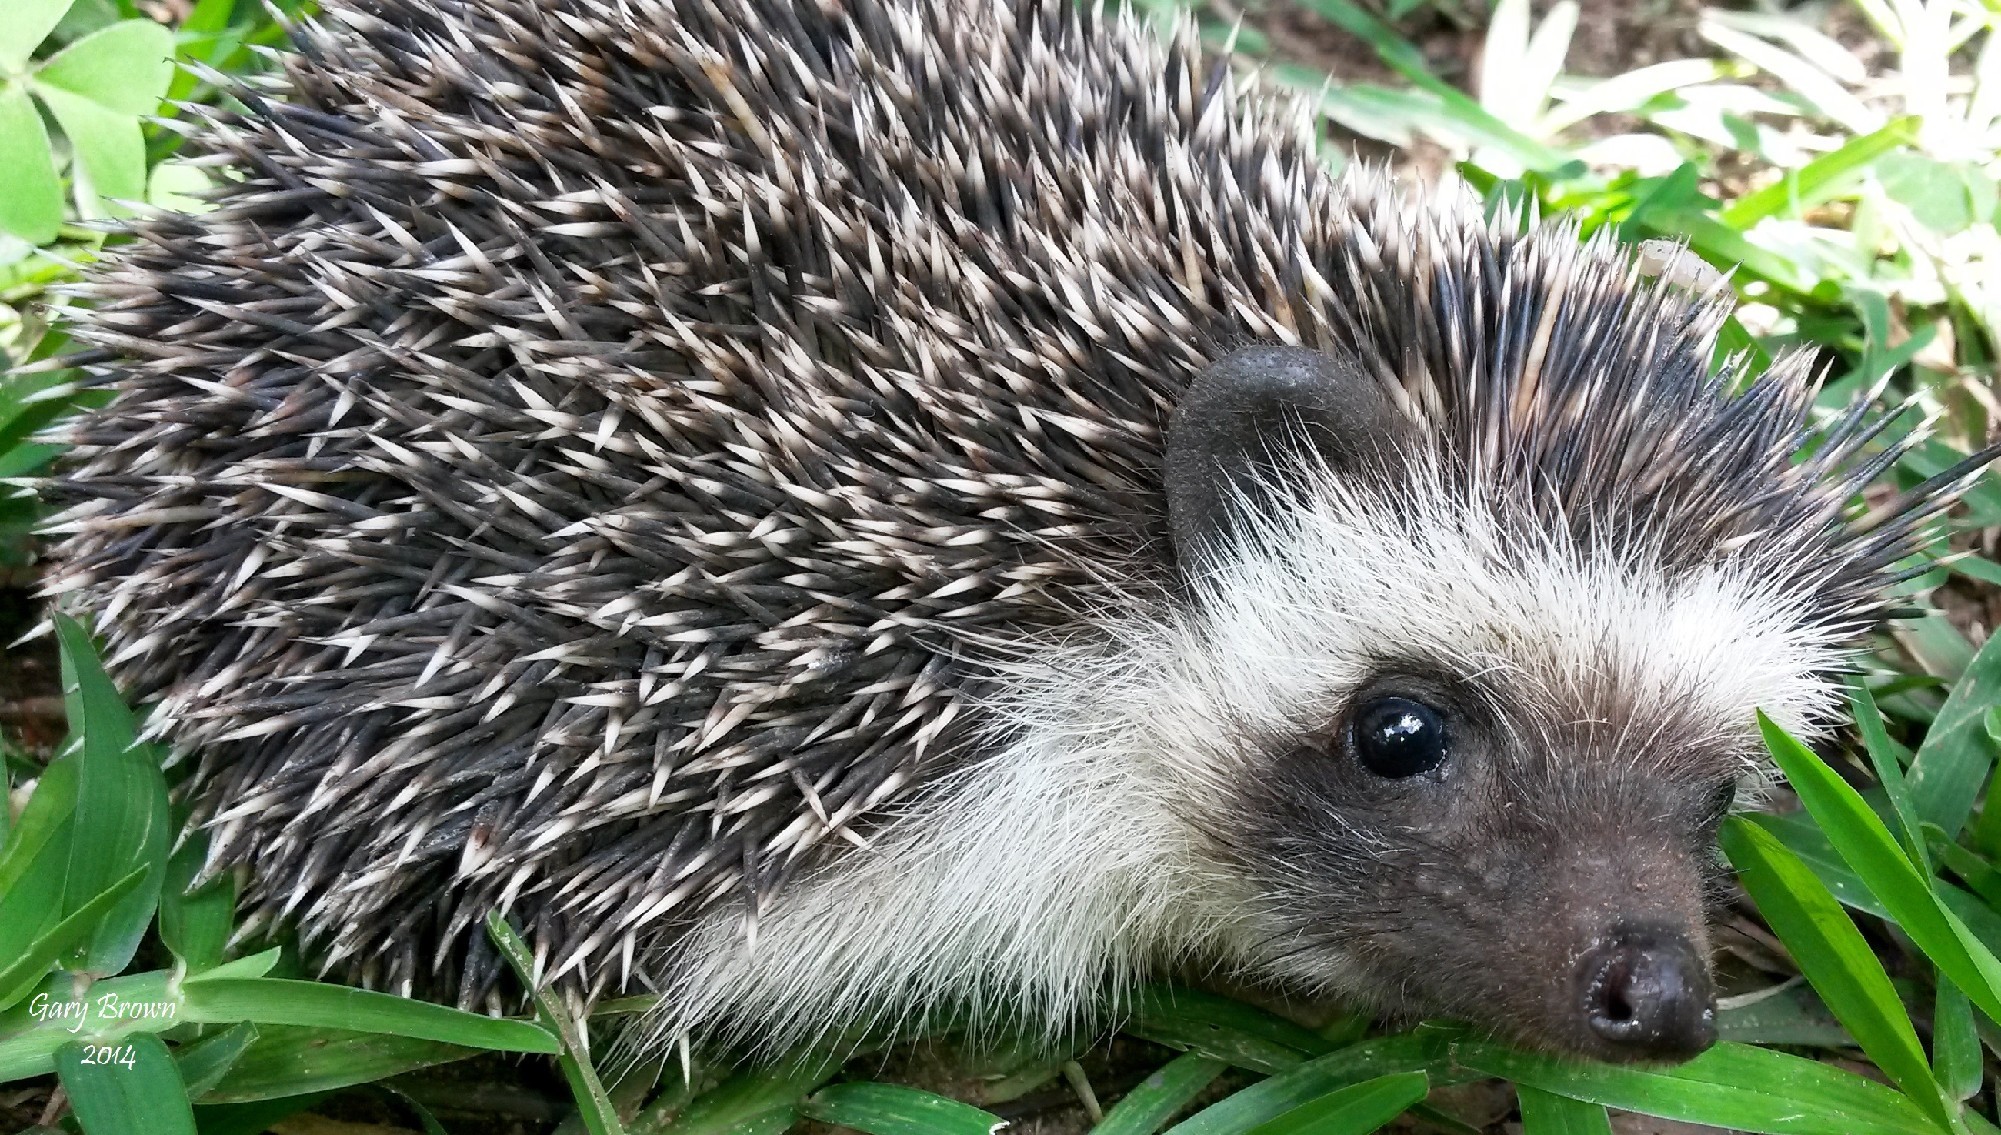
(544, 476)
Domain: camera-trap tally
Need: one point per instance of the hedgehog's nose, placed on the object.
(1647, 995)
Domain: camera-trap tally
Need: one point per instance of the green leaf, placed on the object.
(1424, 1049)
(1976, 872)
(195, 926)
(889, 1109)
(1955, 1043)
(1955, 757)
(1789, 1015)
(593, 1103)
(178, 186)
(24, 24)
(1883, 757)
(204, 1063)
(1731, 1086)
(31, 1031)
(1834, 957)
(284, 1061)
(1354, 1110)
(123, 69)
(251, 1118)
(1547, 1114)
(1156, 1099)
(35, 860)
(49, 807)
(20, 976)
(1408, 61)
(1242, 1035)
(31, 195)
(763, 1102)
(211, 999)
(1861, 839)
(110, 151)
(122, 815)
(1820, 178)
(131, 1088)
(1942, 196)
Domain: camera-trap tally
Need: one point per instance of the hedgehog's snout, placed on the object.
(1646, 993)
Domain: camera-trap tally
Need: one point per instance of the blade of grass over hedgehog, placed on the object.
(128, 1089)
(593, 1104)
(887, 1109)
(1836, 960)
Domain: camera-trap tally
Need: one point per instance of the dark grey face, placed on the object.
(1525, 850)
(1443, 849)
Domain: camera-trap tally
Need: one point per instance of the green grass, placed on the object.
(1860, 212)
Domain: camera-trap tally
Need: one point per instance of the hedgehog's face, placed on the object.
(1472, 767)
(1463, 845)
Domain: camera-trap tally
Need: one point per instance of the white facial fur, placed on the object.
(1038, 885)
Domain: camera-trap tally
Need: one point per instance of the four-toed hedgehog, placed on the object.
(854, 514)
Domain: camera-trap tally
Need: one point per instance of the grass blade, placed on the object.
(1860, 837)
(593, 1102)
(888, 1109)
(1836, 960)
(1956, 1057)
(284, 1062)
(1547, 1114)
(310, 1004)
(1354, 1110)
(1883, 757)
(1732, 1086)
(1820, 178)
(122, 813)
(131, 1088)
(1426, 1049)
(196, 926)
(1956, 756)
(20, 976)
(1148, 1107)
(1243, 1036)
(204, 1063)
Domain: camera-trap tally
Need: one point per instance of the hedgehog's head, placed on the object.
(1477, 660)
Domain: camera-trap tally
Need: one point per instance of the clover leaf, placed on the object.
(96, 89)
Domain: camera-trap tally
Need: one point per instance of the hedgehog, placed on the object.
(862, 517)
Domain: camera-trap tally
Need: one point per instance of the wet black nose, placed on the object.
(1647, 994)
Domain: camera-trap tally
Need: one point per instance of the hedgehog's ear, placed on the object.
(1231, 437)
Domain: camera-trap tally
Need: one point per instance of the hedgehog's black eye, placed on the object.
(1397, 737)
